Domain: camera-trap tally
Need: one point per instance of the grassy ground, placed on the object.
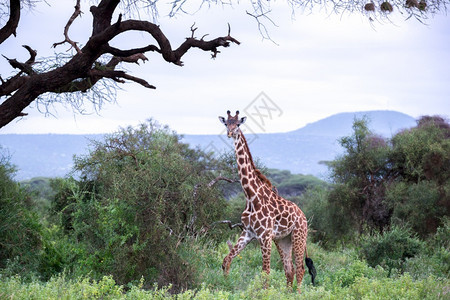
(340, 275)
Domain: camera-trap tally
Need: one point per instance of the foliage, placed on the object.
(423, 152)
(40, 191)
(442, 236)
(421, 160)
(380, 182)
(289, 184)
(60, 253)
(141, 194)
(226, 166)
(342, 276)
(435, 259)
(20, 230)
(417, 204)
(327, 217)
(40, 186)
(361, 175)
(391, 248)
(141, 222)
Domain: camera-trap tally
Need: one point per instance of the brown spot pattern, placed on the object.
(268, 217)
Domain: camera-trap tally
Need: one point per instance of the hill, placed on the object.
(47, 155)
(299, 151)
(302, 150)
(383, 122)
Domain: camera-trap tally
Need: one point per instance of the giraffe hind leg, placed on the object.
(284, 247)
(299, 239)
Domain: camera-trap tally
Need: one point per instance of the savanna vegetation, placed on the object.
(140, 218)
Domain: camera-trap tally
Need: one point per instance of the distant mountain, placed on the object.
(47, 155)
(299, 151)
(302, 150)
(384, 122)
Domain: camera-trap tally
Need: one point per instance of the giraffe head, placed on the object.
(232, 123)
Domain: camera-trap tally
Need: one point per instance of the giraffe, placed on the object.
(267, 216)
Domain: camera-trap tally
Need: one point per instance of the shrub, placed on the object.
(417, 204)
(328, 220)
(442, 236)
(20, 229)
(142, 193)
(391, 248)
(347, 275)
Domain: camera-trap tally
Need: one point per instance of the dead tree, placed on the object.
(98, 62)
(88, 66)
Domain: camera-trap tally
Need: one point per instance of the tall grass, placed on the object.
(341, 275)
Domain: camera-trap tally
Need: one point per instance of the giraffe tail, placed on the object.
(311, 268)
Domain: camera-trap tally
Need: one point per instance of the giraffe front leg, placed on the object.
(243, 240)
(266, 249)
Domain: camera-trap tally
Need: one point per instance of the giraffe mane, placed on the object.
(260, 175)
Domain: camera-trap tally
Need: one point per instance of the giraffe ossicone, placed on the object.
(267, 216)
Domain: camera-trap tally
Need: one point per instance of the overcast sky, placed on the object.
(320, 65)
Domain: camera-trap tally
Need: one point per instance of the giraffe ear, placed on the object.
(242, 121)
(222, 119)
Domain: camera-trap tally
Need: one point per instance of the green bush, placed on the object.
(420, 160)
(41, 192)
(20, 229)
(347, 275)
(382, 182)
(60, 253)
(141, 194)
(289, 185)
(391, 248)
(343, 276)
(435, 259)
(442, 236)
(328, 220)
(416, 204)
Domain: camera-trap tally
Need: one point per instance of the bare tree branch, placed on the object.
(33, 54)
(217, 179)
(103, 15)
(13, 21)
(190, 225)
(84, 70)
(262, 25)
(126, 53)
(9, 86)
(230, 225)
(173, 56)
(116, 75)
(96, 74)
(75, 14)
(133, 58)
(24, 67)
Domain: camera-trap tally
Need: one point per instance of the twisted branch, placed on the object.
(117, 75)
(75, 14)
(13, 21)
(230, 225)
(84, 70)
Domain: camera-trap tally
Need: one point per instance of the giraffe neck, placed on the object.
(251, 178)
